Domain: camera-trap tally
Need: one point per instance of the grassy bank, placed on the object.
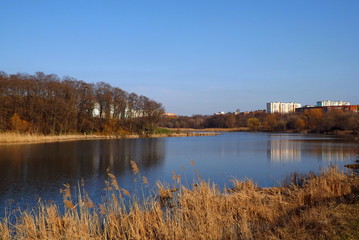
(238, 129)
(311, 207)
(11, 137)
(351, 134)
(17, 138)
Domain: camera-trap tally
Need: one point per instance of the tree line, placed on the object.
(47, 104)
(311, 120)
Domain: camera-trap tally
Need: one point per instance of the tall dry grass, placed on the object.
(24, 138)
(321, 207)
(13, 137)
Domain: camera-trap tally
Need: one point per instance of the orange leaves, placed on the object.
(313, 118)
(18, 124)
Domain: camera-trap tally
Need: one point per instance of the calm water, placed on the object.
(40, 170)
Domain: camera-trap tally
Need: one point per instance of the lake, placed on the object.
(32, 171)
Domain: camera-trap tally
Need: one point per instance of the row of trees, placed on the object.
(229, 120)
(314, 120)
(48, 104)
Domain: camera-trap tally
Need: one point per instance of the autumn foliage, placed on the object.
(314, 120)
(253, 123)
(47, 104)
(18, 124)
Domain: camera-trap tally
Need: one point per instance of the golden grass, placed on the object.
(323, 207)
(25, 138)
(13, 138)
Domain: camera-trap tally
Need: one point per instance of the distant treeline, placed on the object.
(314, 120)
(48, 104)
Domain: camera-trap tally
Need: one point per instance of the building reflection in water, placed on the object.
(334, 152)
(284, 150)
(292, 150)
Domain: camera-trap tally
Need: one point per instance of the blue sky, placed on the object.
(195, 57)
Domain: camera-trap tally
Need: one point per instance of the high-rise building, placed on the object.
(281, 107)
(332, 103)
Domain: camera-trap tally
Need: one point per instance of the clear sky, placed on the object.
(195, 57)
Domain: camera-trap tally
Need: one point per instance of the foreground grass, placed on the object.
(315, 207)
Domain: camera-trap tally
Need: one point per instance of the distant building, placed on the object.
(309, 107)
(170, 115)
(344, 108)
(127, 113)
(219, 113)
(96, 110)
(281, 107)
(332, 103)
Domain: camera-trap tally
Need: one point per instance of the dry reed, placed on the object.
(134, 167)
(26, 138)
(322, 207)
(13, 138)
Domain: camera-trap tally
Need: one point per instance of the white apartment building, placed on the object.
(331, 103)
(128, 113)
(281, 107)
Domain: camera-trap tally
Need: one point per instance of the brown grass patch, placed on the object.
(23, 138)
(26, 138)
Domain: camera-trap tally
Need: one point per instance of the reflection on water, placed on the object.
(337, 152)
(290, 150)
(77, 159)
(284, 150)
(42, 169)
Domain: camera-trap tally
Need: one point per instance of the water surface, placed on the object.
(32, 171)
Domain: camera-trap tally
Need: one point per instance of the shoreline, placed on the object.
(344, 133)
(15, 138)
(238, 129)
(12, 138)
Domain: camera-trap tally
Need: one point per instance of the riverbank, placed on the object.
(239, 129)
(310, 207)
(350, 134)
(16, 138)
